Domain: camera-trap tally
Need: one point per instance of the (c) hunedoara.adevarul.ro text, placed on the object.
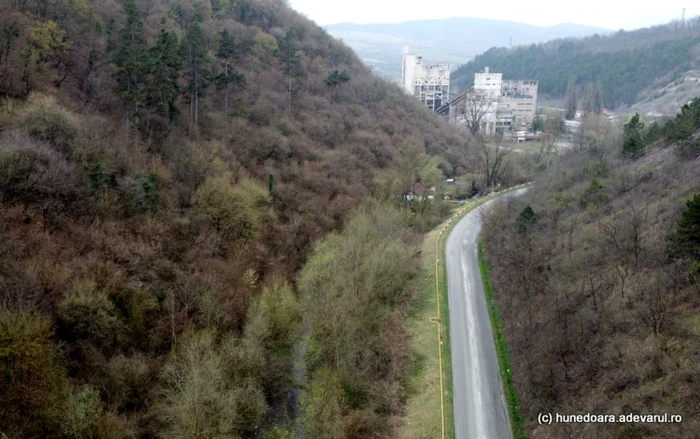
(590, 418)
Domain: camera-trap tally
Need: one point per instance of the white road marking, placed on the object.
(472, 349)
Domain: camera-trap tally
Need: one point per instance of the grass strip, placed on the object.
(516, 418)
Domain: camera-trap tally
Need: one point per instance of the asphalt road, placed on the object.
(479, 402)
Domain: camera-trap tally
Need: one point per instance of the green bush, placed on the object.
(323, 406)
(237, 212)
(200, 399)
(87, 314)
(31, 379)
(100, 177)
(45, 120)
(278, 433)
(594, 193)
(142, 192)
(129, 379)
(31, 172)
(81, 413)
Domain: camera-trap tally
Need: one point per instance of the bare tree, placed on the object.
(474, 108)
(613, 239)
(547, 147)
(493, 162)
(652, 304)
(624, 239)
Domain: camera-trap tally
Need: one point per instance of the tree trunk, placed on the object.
(226, 93)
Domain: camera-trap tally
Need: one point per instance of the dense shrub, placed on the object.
(32, 382)
(46, 121)
(88, 322)
(33, 173)
(142, 192)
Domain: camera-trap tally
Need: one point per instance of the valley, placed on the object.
(218, 220)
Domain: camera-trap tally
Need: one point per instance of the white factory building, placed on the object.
(512, 102)
(489, 83)
(428, 82)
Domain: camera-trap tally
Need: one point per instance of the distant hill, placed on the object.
(453, 40)
(664, 99)
(630, 64)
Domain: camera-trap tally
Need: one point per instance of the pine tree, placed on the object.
(164, 63)
(633, 145)
(198, 77)
(654, 133)
(290, 59)
(526, 219)
(685, 241)
(228, 52)
(336, 79)
(130, 59)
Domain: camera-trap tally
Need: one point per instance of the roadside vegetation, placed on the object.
(514, 412)
(423, 405)
(594, 272)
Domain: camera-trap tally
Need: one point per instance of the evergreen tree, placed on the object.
(633, 145)
(526, 219)
(685, 241)
(653, 133)
(336, 79)
(130, 59)
(290, 59)
(197, 76)
(228, 52)
(163, 72)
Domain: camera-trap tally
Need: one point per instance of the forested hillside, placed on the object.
(165, 168)
(625, 62)
(597, 276)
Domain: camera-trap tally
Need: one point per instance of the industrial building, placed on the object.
(428, 82)
(521, 96)
(505, 103)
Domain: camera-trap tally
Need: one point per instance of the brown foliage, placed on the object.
(126, 239)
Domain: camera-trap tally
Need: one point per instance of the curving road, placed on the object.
(479, 403)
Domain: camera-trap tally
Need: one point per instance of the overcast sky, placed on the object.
(608, 14)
